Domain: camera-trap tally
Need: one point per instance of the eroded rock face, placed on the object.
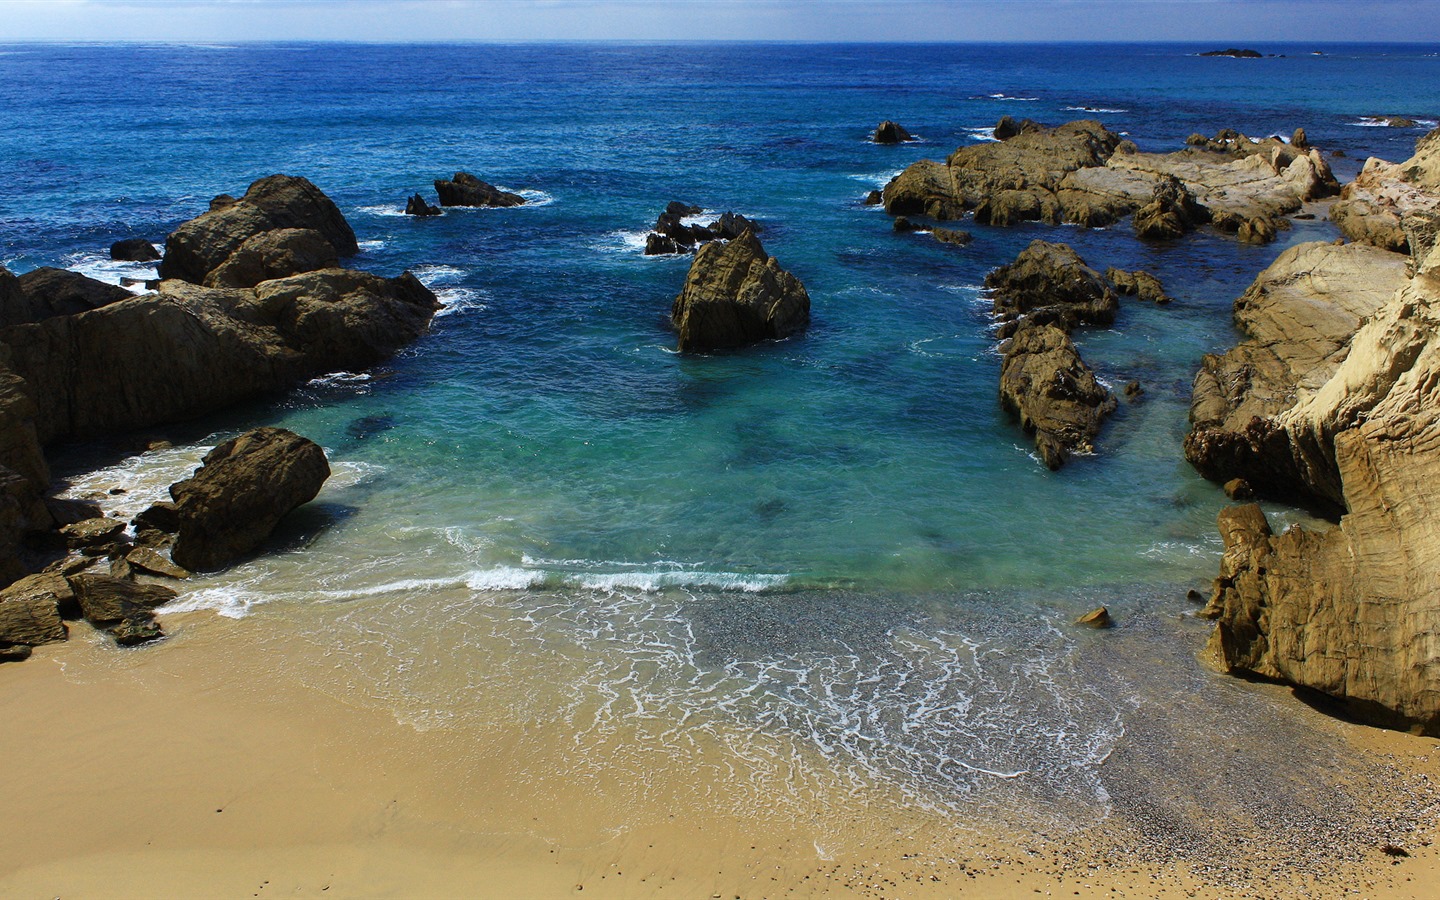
(47, 292)
(1050, 282)
(419, 206)
(1171, 213)
(467, 190)
(1396, 207)
(1138, 284)
(30, 610)
(274, 254)
(233, 502)
(1044, 381)
(737, 294)
(203, 244)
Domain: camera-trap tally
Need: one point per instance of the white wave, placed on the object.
(145, 478)
(504, 578)
(982, 134)
(1384, 122)
(372, 245)
(623, 242)
(437, 274)
(1095, 109)
(383, 210)
(878, 179)
(650, 582)
(339, 379)
(457, 300)
(533, 198)
(348, 473)
(112, 271)
(1179, 550)
(1008, 97)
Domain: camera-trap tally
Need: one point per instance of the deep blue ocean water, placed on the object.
(544, 452)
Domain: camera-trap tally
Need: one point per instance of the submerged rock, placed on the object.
(737, 294)
(1044, 381)
(1096, 618)
(890, 133)
(1138, 284)
(467, 190)
(233, 502)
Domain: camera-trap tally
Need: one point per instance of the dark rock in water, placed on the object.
(1133, 389)
(162, 516)
(135, 630)
(951, 236)
(418, 206)
(105, 600)
(200, 246)
(30, 610)
(147, 559)
(731, 225)
(1195, 596)
(1338, 154)
(1257, 230)
(1051, 282)
(662, 245)
(874, 198)
(246, 486)
(1096, 618)
(134, 250)
(903, 225)
(1044, 381)
(1139, 284)
(680, 210)
(1007, 128)
(890, 133)
(67, 512)
(48, 292)
(367, 427)
(1234, 53)
(672, 235)
(1171, 213)
(92, 532)
(1239, 489)
(15, 653)
(274, 254)
(737, 294)
(467, 190)
(1394, 121)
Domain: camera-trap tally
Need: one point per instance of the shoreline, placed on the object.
(259, 782)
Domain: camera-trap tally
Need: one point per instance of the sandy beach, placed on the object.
(206, 766)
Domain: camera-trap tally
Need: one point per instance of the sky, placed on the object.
(1227, 22)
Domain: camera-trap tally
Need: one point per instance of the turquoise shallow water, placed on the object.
(543, 452)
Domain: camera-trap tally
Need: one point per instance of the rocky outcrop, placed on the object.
(24, 475)
(47, 292)
(203, 244)
(1171, 213)
(134, 250)
(467, 190)
(1396, 207)
(1299, 316)
(419, 206)
(1050, 283)
(737, 294)
(1044, 381)
(274, 254)
(890, 132)
(1234, 53)
(672, 234)
(30, 611)
(233, 502)
(186, 350)
(1138, 284)
(120, 606)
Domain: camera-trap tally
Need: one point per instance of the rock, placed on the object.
(163, 516)
(120, 568)
(1007, 128)
(1258, 230)
(679, 209)
(1194, 596)
(1133, 389)
(147, 559)
(1171, 213)
(24, 476)
(1138, 284)
(66, 511)
(92, 532)
(874, 198)
(1096, 618)
(904, 225)
(135, 630)
(730, 226)
(187, 350)
(1051, 282)
(154, 539)
(134, 250)
(1298, 317)
(1006, 182)
(244, 488)
(46, 293)
(1044, 381)
(274, 254)
(1387, 204)
(1234, 53)
(952, 236)
(30, 610)
(660, 245)
(890, 133)
(105, 600)
(467, 190)
(418, 206)
(737, 294)
(1239, 489)
(1299, 141)
(16, 653)
(201, 245)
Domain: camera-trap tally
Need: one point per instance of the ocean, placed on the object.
(830, 566)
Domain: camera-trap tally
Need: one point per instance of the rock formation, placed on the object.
(467, 190)
(203, 244)
(737, 294)
(1051, 283)
(1171, 213)
(1396, 207)
(672, 235)
(1351, 611)
(1044, 381)
(134, 250)
(274, 254)
(890, 133)
(233, 502)
(46, 292)
(419, 206)
(1138, 284)
(1234, 53)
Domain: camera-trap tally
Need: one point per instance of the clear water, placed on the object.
(541, 474)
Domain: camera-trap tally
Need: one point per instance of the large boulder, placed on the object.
(890, 132)
(1050, 282)
(737, 294)
(134, 250)
(274, 254)
(187, 350)
(467, 190)
(24, 475)
(30, 610)
(47, 292)
(203, 244)
(233, 502)
(1396, 207)
(1044, 381)
(1171, 213)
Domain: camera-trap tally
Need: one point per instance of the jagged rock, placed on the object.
(30, 610)
(274, 254)
(1139, 284)
(1239, 489)
(201, 245)
(1387, 203)
(890, 133)
(677, 208)
(1133, 389)
(467, 190)
(134, 250)
(1096, 618)
(47, 292)
(1044, 381)
(1007, 128)
(672, 235)
(187, 350)
(120, 568)
(1299, 140)
(105, 600)
(737, 294)
(163, 516)
(730, 225)
(1258, 230)
(1013, 180)
(24, 475)
(1298, 316)
(1050, 282)
(147, 559)
(154, 539)
(92, 532)
(952, 236)
(904, 225)
(246, 486)
(874, 198)
(65, 511)
(1171, 213)
(418, 206)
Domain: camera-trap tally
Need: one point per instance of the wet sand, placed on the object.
(207, 766)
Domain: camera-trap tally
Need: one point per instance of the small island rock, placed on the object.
(737, 294)
(467, 190)
(891, 133)
(134, 250)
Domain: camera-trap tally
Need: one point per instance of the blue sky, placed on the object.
(1213, 21)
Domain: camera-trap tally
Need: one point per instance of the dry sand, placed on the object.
(204, 767)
